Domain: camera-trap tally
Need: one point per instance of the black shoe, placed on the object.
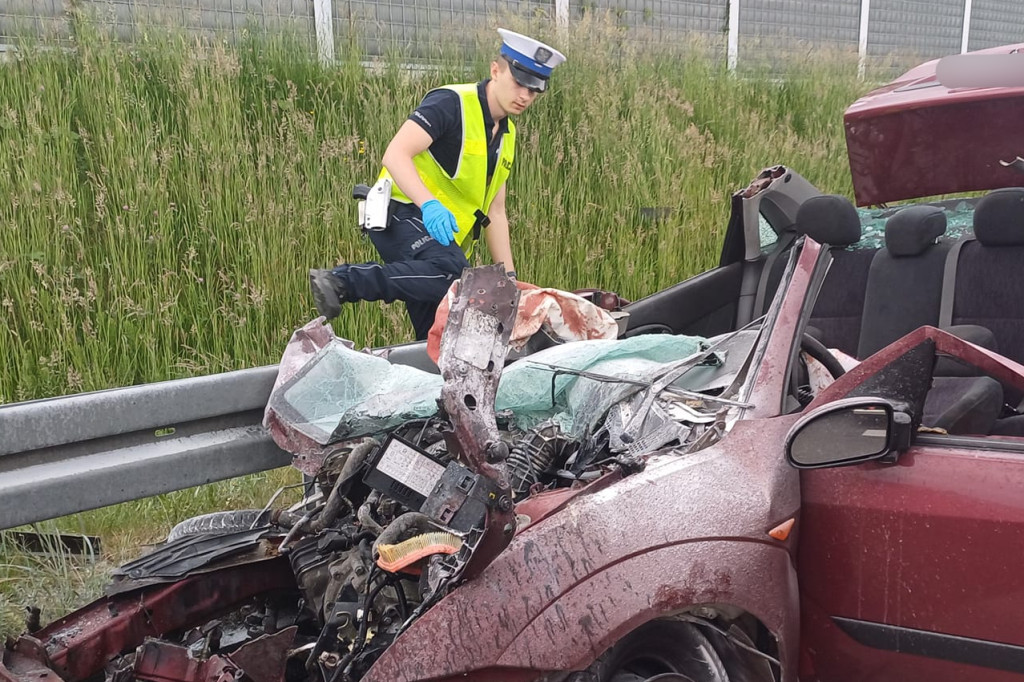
(328, 292)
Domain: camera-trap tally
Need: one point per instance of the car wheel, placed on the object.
(217, 522)
(661, 651)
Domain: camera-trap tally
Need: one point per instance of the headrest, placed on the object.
(829, 219)
(912, 230)
(999, 217)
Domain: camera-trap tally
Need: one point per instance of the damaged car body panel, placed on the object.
(930, 578)
(581, 591)
(473, 349)
(902, 138)
(81, 645)
(630, 567)
(622, 507)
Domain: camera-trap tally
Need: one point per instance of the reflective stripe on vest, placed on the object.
(467, 191)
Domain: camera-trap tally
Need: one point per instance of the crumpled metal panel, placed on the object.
(79, 645)
(473, 350)
(261, 660)
(652, 544)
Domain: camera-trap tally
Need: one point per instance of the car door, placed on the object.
(912, 570)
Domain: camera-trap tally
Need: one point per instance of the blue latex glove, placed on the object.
(440, 222)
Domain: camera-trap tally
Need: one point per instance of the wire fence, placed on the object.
(761, 30)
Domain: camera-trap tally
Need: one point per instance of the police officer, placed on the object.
(448, 163)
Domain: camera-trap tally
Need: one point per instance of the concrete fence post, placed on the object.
(733, 48)
(323, 20)
(965, 37)
(562, 14)
(862, 42)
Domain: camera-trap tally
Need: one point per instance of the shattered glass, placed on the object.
(342, 393)
(547, 385)
(959, 221)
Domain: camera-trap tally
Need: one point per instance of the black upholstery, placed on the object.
(868, 299)
(947, 366)
(1009, 426)
(963, 405)
(832, 220)
(829, 219)
(989, 287)
(774, 267)
(911, 231)
(999, 217)
(904, 287)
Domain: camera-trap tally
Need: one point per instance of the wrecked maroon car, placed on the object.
(804, 463)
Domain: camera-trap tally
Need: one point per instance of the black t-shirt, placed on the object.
(440, 114)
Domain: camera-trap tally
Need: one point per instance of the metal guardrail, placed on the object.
(64, 455)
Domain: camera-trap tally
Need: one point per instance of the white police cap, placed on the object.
(531, 61)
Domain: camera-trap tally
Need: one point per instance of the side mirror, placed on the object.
(849, 431)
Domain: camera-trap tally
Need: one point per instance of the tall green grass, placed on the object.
(161, 203)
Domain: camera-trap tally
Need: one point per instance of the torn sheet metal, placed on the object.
(473, 350)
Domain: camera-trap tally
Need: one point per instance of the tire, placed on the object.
(660, 650)
(215, 523)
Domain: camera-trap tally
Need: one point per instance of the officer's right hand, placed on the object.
(439, 221)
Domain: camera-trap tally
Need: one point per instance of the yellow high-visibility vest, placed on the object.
(467, 192)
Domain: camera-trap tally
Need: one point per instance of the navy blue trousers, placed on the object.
(416, 269)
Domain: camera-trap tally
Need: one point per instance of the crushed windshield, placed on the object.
(652, 383)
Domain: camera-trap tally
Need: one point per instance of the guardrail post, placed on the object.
(562, 14)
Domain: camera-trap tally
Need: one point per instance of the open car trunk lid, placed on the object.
(917, 138)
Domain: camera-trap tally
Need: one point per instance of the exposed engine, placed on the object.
(391, 523)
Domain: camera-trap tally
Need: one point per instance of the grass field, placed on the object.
(162, 203)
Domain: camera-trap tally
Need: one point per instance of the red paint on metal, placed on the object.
(649, 545)
(769, 383)
(158, 661)
(926, 544)
(26, 662)
(912, 545)
(80, 644)
(541, 505)
(1003, 369)
(906, 139)
(264, 658)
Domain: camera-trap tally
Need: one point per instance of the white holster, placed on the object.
(374, 212)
